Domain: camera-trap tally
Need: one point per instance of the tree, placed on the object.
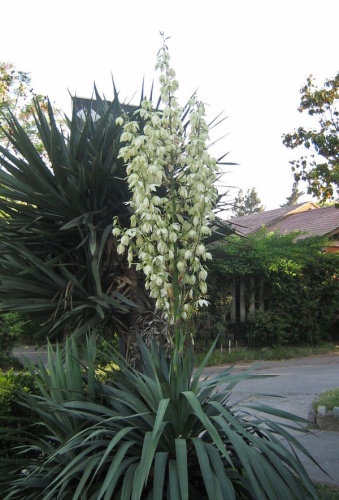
(245, 204)
(18, 97)
(14, 87)
(319, 165)
(293, 198)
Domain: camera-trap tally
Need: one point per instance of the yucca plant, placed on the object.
(58, 259)
(166, 432)
(62, 381)
(160, 432)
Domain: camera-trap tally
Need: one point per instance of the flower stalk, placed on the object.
(172, 180)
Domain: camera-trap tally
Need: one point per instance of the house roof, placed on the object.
(321, 222)
(305, 217)
(248, 224)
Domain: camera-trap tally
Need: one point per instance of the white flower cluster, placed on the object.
(172, 179)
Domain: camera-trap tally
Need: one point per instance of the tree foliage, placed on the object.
(319, 164)
(298, 281)
(248, 203)
(14, 87)
(17, 97)
(293, 198)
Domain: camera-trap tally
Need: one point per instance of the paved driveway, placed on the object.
(297, 382)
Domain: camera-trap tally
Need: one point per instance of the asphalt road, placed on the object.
(30, 353)
(296, 381)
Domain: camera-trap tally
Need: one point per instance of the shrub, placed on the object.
(11, 327)
(294, 280)
(10, 384)
(7, 387)
(14, 415)
(105, 372)
(105, 344)
(265, 329)
(329, 399)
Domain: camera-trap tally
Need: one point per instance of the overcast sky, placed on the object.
(247, 58)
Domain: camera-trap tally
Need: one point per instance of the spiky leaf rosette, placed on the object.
(58, 256)
(165, 433)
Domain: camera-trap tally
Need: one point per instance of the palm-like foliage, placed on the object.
(163, 433)
(58, 259)
(57, 254)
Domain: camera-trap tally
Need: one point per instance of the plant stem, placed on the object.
(178, 337)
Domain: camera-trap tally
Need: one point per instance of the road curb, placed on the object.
(323, 419)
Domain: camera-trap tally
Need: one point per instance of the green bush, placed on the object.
(265, 329)
(329, 399)
(162, 433)
(7, 388)
(11, 327)
(104, 346)
(14, 415)
(294, 280)
(10, 384)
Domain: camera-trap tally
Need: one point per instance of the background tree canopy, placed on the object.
(319, 165)
(293, 198)
(248, 203)
(18, 97)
